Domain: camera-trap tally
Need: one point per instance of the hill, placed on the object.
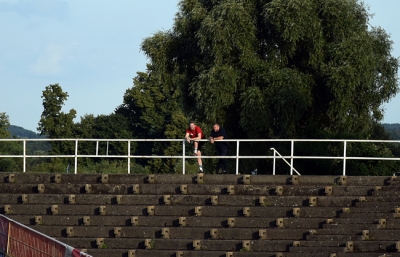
(20, 132)
(393, 129)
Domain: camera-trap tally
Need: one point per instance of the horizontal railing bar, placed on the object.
(203, 140)
(205, 156)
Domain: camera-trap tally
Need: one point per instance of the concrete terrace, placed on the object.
(209, 215)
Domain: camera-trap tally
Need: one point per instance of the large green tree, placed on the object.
(266, 69)
(270, 68)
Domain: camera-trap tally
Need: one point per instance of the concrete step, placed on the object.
(342, 238)
(358, 246)
(170, 178)
(192, 189)
(161, 221)
(366, 215)
(179, 244)
(173, 232)
(20, 177)
(171, 210)
(381, 254)
(308, 250)
(378, 205)
(185, 253)
(175, 199)
(355, 226)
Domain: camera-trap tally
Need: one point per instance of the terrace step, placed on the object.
(173, 232)
(179, 244)
(169, 210)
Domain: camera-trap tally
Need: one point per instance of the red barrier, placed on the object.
(19, 240)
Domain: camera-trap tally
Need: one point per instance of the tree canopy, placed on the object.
(266, 69)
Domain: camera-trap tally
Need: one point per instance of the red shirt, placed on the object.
(195, 132)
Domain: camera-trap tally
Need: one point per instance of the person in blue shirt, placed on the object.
(219, 133)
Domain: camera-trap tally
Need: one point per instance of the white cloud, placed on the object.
(49, 63)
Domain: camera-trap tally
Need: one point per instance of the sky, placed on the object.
(92, 49)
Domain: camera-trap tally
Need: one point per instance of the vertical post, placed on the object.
(273, 166)
(24, 143)
(344, 158)
(129, 156)
(291, 157)
(76, 156)
(107, 147)
(97, 147)
(237, 157)
(183, 156)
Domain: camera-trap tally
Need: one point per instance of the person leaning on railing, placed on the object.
(219, 133)
(194, 133)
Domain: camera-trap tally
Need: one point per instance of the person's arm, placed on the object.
(199, 132)
(197, 138)
(220, 137)
(187, 137)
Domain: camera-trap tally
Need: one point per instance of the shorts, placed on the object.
(200, 145)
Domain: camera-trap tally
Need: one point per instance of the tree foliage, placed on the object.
(54, 123)
(265, 69)
(4, 124)
(269, 69)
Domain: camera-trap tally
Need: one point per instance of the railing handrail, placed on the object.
(128, 156)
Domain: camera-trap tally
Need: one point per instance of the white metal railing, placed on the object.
(128, 156)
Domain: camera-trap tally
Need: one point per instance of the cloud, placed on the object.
(49, 63)
(55, 9)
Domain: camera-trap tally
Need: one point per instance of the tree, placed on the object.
(275, 68)
(55, 123)
(4, 124)
(8, 148)
(268, 69)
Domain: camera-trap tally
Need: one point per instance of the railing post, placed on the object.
(97, 147)
(291, 157)
(273, 166)
(24, 143)
(76, 156)
(237, 157)
(129, 156)
(183, 156)
(344, 158)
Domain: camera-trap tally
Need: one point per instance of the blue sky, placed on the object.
(92, 49)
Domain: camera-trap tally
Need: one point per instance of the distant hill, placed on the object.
(20, 132)
(31, 147)
(393, 129)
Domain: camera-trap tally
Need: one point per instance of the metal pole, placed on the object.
(237, 158)
(129, 156)
(183, 157)
(24, 143)
(273, 167)
(291, 157)
(344, 158)
(107, 148)
(76, 156)
(97, 147)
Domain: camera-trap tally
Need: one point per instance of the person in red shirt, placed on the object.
(194, 133)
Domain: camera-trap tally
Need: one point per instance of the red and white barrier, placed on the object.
(17, 239)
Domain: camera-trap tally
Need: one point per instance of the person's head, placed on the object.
(192, 125)
(216, 126)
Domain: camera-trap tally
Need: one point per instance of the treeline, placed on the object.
(393, 130)
(263, 69)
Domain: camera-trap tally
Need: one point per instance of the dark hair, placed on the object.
(192, 121)
(216, 123)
